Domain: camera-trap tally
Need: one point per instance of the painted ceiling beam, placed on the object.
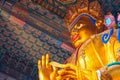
(23, 14)
(51, 7)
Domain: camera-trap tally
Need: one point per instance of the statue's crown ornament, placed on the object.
(83, 8)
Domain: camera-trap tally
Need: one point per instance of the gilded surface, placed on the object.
(92, 56)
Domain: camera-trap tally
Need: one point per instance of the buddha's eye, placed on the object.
(77, 27)
(80, 26)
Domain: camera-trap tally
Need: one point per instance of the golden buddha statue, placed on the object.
(97, 52)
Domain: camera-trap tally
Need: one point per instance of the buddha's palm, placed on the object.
(45, 70)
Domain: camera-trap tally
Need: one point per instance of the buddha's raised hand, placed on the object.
(45, 69)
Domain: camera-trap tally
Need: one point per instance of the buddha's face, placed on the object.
(82, 31)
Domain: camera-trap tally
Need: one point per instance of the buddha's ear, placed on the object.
(99, 23)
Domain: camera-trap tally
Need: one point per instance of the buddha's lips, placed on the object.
(75, 37)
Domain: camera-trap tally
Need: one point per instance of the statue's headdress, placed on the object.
(83, 8)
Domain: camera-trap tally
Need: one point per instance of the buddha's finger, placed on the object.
(43, 61)
(47, 59)
(39, 66)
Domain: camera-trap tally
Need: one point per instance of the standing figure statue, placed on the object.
(97, 55)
